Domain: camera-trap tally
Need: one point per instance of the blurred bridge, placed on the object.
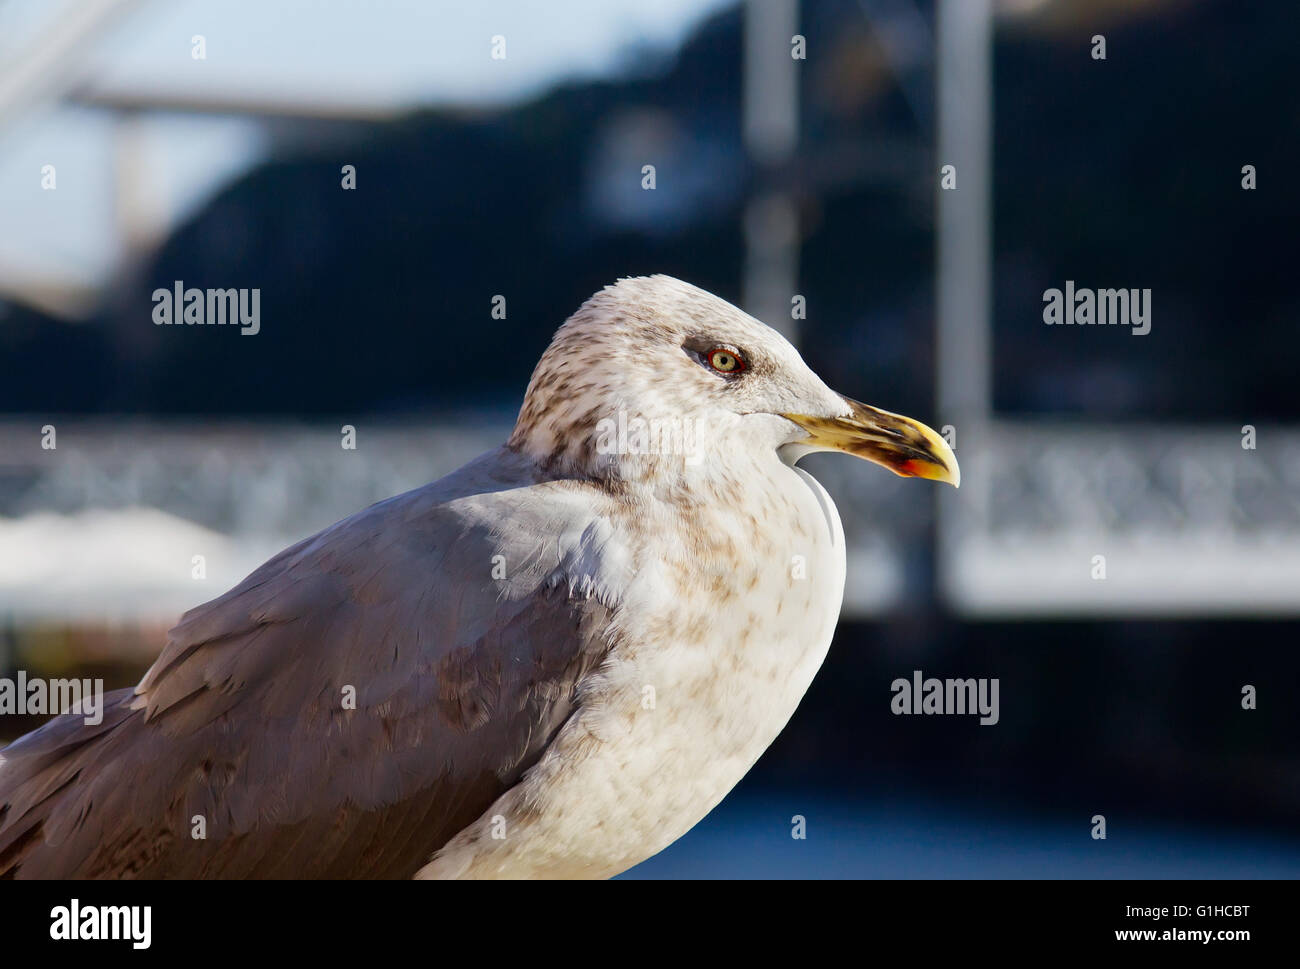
(1051, 519)
(1124, 521)
(107, 525)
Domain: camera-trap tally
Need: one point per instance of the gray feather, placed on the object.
(461, 681)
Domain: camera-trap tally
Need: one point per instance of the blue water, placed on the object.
(750, 837)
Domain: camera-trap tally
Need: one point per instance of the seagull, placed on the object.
(551, 663)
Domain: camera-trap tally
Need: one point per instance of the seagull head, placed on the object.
(654, 373)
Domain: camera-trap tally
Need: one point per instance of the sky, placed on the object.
(365, 55)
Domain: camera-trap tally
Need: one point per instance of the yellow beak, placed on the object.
(904, 446)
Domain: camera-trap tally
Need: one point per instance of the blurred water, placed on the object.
(749, 836)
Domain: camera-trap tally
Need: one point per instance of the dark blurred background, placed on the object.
(775, 177)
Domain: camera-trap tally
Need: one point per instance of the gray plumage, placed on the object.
(459, 686)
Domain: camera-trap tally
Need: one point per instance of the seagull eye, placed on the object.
(725, 361)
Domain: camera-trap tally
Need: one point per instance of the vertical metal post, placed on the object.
(965, 95)
(770, 121)
(964, 360)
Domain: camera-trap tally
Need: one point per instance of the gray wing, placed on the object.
(461, 680)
